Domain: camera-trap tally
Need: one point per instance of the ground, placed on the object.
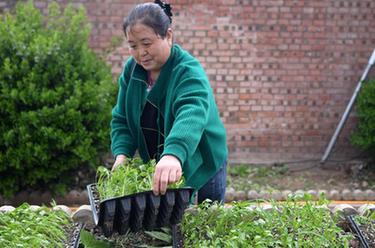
(350, 175)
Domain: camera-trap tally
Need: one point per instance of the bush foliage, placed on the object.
(55, 97)
(364, 137)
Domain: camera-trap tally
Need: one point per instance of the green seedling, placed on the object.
(132, 177)
(26, 227)
(245, 224)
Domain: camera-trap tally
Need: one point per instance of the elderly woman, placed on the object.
(166, 109)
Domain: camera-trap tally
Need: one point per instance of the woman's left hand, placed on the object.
(168, 170)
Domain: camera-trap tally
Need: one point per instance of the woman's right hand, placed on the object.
(120, 159)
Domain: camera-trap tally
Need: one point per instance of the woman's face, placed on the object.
(148, 48)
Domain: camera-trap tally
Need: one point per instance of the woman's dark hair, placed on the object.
(157, 16)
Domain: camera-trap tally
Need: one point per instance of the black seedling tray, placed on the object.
(355, 228)
(177, 237)
(140, 211)
(74, 236)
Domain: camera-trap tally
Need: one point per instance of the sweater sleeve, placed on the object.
(190, 110)
(122, 141)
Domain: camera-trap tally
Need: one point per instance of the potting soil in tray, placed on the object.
(138, 211)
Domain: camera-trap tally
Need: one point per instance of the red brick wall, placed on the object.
(282, 71)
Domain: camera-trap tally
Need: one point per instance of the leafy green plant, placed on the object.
(366, 218)
(132, 177)
(364, 137)
(239, 170)
(89, 240)
(289, 224)
(55, 97)
(164, 235)
(26, 227)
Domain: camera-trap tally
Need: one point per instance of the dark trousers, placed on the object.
(214, 189)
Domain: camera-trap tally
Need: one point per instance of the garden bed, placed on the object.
(27, 226)
(298, 222)
(289, 224)
(247, 223)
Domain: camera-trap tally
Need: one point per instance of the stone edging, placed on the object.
(77, 198)
(344, 195)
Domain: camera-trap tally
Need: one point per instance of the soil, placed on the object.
(350, 175)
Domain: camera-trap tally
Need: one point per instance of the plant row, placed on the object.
(36, 227)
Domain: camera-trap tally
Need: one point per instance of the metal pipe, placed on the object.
(348, 108)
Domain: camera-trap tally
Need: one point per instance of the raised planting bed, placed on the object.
(279, 224)
(298, 222)
(28, 226)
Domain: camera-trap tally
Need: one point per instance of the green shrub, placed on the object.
(55, 97)
(364, 137)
